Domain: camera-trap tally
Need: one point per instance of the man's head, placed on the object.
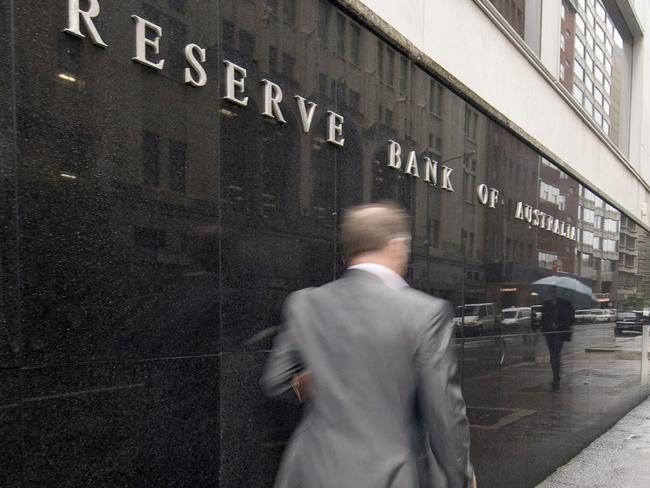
(377, 233)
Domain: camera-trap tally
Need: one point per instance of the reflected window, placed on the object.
(546, 259)
(435, 97)
(340, 34)
(323, 20)
(611, 225)
(289, 11)
(177, 165)
(355, 43)
(150, 158)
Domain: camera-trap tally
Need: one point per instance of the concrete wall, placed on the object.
(469, 45)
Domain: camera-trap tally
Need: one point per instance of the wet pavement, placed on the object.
(523, 429)
(619, 458)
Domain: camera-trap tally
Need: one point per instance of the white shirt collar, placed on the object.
(390, 278)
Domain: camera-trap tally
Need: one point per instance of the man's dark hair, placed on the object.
(369, 227)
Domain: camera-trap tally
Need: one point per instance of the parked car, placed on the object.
(612, 314)
(600, 315)
(478, 318)
(537, 315)
(516, 317)
(584, 316)
(629, 322)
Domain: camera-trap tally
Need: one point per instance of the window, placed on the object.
(609, 245)
(608, 67)
(546, 259)
(600, 11)
(589, 39)
(562, 41)
(598, 202)
(561, 71)
(588, 215)
(608, 47)
(608, 88)
(323, 20)
(589, 61)
(177, 165)
(589, 107)
(587, 237)
(600, 56)
(435, 97)
(600, 34)
(597, 242)
(551, 194)
(288, 65)
(390, 67)
(150, 158)
(589, 85)
(598, 95)
(588, 194)
(577, 93)
(580, 23)
(579, 47)
(355, 42)
(598, 222)
(590, 18)
(598, 73)
(578, 71)
(598, 117)
(340, 35)
(289, 11)
(610, 225)
(606, 127)
(610, 26)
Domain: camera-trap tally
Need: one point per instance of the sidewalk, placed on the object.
(619, 458)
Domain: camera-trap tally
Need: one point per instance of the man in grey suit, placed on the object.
(375, 364)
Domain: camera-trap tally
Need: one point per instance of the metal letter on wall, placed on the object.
(394, 153)
(305, 116)
(191, 51)
(141, 42)
(412, 165)
(430, 171)
(272, 98)
(335, 128)
(446, 178)
(74, 26)
(235, 84)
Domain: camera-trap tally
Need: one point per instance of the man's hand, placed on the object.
(302, 385)
(474, 485)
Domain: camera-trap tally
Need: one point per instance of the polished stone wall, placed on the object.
(151, 230)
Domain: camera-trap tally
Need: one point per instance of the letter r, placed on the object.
(74, 25)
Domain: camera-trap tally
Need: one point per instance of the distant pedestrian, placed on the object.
(557, 319)
(374, 362)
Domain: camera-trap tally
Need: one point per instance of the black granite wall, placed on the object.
(151, 230)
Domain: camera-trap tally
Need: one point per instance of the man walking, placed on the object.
(374, 361)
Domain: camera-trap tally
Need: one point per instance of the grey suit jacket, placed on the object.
(384, 376)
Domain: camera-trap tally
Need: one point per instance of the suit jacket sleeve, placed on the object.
(440, 397)
(284, 362)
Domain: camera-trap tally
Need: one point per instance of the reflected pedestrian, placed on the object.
(557, 319)
(374, 362)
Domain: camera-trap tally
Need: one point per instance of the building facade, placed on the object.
(173, 169)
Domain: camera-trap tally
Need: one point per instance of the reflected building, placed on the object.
(598, 259)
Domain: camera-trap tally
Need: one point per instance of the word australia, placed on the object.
(537, 218)
(147, 53)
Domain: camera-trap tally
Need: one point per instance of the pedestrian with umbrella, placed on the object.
(561, 294)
